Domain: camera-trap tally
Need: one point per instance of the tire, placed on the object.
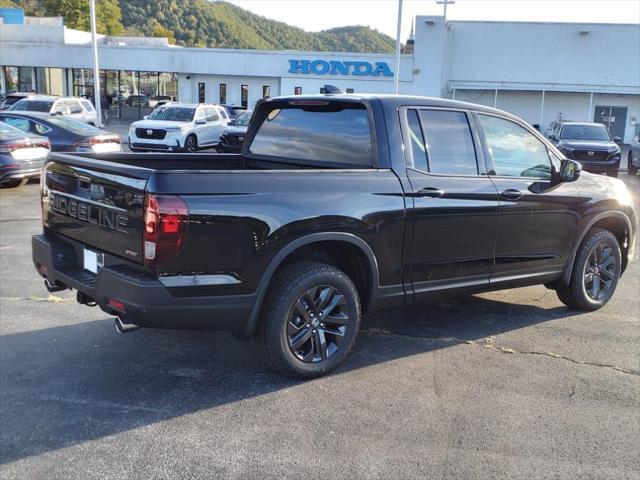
(631, 168)
(287, 320)
(191, 144)
(598, 261)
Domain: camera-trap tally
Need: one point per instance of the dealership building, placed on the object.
(542, 72)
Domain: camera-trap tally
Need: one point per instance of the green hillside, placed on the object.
(200, 23)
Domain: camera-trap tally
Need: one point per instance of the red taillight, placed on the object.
(116, 305)
(165, 227)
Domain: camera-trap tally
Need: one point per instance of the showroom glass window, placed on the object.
(266, 91)
(223, 93)
(11, 79)
(446, 140)
(339, 135)
(244, 95)
(516, 152)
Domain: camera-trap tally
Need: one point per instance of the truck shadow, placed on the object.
(67, 385)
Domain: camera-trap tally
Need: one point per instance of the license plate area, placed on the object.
(92, 260)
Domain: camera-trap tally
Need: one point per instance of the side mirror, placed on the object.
(569, 170)
(145, 117)
(617, 139)
(553, 138)
(201, 121)
(230, 122)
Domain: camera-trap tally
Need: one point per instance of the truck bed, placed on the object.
(163, 162)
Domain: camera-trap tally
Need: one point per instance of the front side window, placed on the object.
(74, 107)
(450, 149)
(242, 120)
(332, 134)
(211, 114)
(516, 152)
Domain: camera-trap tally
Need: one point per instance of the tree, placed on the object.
(160, 31)
(76, 14)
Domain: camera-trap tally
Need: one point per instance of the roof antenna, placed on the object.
(330, 90)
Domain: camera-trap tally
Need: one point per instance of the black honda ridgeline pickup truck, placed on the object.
(337, 205)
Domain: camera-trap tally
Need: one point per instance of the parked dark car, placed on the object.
(232, 137)
(633, 159)
(137, 101)
(233, 110)
(590, 144)
(12, 98)
(336, 205)
(22, 155)
(65, 134)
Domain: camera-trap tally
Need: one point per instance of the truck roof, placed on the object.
(394, 100)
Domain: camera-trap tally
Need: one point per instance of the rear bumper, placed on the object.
(147, 302)
(18, 173)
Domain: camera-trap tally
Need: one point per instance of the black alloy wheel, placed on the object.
(600, 272)
(595, 273)
(309, 319)
(317, 324)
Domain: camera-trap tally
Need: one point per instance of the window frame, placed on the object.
(481, 164)
(491, 172)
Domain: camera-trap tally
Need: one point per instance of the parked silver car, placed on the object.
(74, 107)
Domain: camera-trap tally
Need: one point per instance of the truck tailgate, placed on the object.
(98, 203)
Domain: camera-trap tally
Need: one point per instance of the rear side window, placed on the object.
(88, 106)
(332, 134)
(516, 152)
(450, 149)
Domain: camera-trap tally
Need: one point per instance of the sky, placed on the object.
(315, 15)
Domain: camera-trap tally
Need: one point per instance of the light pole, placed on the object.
(397, 79)
(96, 69)
(445, 3)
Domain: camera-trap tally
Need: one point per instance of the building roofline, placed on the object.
(521, 22)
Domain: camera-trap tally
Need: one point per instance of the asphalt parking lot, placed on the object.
(502, 385)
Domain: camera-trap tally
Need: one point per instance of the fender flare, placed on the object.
(566, 275)
(301, 242)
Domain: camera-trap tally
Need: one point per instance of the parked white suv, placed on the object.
(178, 127)
(73, 107)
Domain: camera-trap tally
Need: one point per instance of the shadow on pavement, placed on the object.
(67, 385)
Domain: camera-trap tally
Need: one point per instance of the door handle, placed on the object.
(511, 194)
(432, 192)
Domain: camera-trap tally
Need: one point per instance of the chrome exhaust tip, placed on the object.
(51, 288)
(122, 327)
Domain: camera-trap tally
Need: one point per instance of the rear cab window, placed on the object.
(440, 142)
(316, 132)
